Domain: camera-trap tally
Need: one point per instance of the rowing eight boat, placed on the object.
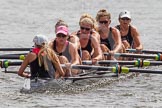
(60, 85)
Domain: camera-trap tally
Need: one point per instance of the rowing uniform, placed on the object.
(109, 41)
(39, 71)
(88, 47)
(79, 50)
(127, 37)
(65, 52)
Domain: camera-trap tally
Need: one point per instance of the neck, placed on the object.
(124, 28)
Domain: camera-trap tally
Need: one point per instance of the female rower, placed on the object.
(42, 60)
(129, 33)
(109, 36)
(71, 38)
(88, 39)
(66, 51)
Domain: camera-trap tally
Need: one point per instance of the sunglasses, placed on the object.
(125, 19)
(84, 28)
(103, 22)
(60, 35)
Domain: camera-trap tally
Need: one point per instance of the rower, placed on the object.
(88, 39)
(71, 38)
(66, 51)
(109, 36)
(129, 33)
(42, 60)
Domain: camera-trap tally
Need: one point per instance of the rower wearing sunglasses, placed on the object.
(66, 51)
(109, 36)
(89, 39)
(129, 33)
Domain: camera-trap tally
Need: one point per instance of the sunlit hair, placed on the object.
(102, 13)
(45, 55)
(88, 19)
(60, 22)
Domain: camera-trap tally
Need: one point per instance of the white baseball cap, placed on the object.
(40, 39)
(125, 13)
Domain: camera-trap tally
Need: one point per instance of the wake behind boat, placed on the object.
(73, 84)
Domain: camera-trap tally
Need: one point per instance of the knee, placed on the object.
(104, 48)
(63, 59)
(85, 55)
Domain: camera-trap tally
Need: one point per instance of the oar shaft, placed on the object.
(21, 57)
(138, 62)
(110, 62)
(156, 57)
(14, 54)
(145, 51)
(15, 49)
(87, 67)
(146, 71)
(116, 69)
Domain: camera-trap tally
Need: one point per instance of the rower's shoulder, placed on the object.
(134, 28)
(71, 45)
(114, 30)
(50, 43)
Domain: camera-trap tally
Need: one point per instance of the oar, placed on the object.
(155, 57)
(144, 51)
(15, 49)
(20, 57)
(137, 63)
(115, 69)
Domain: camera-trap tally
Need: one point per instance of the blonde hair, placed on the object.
(102, 13)
(45, 54)
(86, 18)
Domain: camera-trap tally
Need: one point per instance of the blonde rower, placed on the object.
(42, 60)
(88, 39)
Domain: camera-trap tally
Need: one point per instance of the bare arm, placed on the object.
(97, 49)
(136, 36)
(75, 40)
(117, 40)
(23, 67)
(74, 54)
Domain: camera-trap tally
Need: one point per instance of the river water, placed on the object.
(21, 20)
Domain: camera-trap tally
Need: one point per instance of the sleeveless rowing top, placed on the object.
(88, 47)
(109, 42)
(128, 36)
(65, 52)
(39, 71)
